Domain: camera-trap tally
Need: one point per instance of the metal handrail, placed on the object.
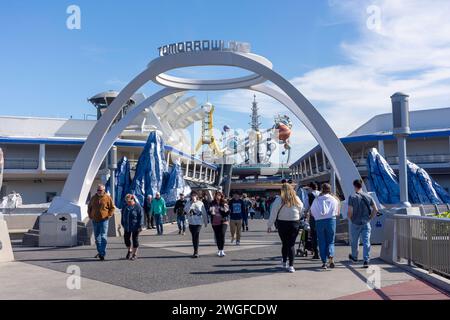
(424, 241)
(21, 164)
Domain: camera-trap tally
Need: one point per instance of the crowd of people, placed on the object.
(286, 211)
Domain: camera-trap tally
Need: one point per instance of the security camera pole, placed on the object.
(401, 130)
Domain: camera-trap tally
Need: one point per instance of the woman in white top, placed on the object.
(285, 212)
(196, 214)
(324, 209)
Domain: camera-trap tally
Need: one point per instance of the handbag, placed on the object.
(278, 213)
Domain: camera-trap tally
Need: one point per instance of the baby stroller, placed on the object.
(303, 234)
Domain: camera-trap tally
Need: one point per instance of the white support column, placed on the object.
(193, 171)
(324, 160)
(41, 166)
(301, 170)
(168, 158)
(305, 168)
(333, 180)
(317, 162)
(381, 148)
(200, 172)
(186, 173)
(310, 165)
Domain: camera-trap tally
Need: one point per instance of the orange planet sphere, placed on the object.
(283, 132)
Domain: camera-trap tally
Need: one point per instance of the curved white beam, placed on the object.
(93, 151)
(76, 188)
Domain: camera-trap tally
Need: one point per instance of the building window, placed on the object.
(49, 196)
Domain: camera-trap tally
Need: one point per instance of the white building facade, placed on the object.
(428, 146)
(39, 154)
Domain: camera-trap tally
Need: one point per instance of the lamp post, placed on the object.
(401, 130)
(112, 171)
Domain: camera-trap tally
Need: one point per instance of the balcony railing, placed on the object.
(33, 164)
(424, 241)
(418, 159)
(21, 164)
(59, 164)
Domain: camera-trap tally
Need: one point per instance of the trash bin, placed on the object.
(66, 230)
(47, 230)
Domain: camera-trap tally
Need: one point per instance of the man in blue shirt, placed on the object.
(361, 209)
(237, 211)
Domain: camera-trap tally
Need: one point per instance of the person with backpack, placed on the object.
(361, 209)
(325, 209)
(312, 222)
(285, 215)
(197, 216)
(248, 207)
(181, 215)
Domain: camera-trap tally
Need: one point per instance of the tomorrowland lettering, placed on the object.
(204, 45)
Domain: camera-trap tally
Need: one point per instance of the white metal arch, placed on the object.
(104, 134)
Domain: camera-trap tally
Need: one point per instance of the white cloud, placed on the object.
(410, 53)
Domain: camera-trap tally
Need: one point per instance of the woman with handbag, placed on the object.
(285, 214)
(220, 214)
(132, 221)
(197, 216)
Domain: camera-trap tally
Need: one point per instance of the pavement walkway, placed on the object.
(165, 270)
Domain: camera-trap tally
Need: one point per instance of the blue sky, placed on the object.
(323, 47)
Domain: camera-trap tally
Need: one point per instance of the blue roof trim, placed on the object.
(372, 137)
(376, 137)
(119, 143)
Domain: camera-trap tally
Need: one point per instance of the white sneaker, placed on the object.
(223, 253)
(219, 253)
(284, 265)
(291, 269)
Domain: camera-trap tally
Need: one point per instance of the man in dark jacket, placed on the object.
(237, 211)
(181, 214)
(314, 193)
(148, 212)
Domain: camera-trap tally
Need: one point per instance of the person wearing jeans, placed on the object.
(197, 216)
(219, 220)
(150, 220)
(324, 209)
(100, 229)
(248, 206)
(100, 209)
(361, 209)
(285, 213)
(159, 210)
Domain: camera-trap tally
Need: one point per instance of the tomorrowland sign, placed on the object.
(204, 45)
